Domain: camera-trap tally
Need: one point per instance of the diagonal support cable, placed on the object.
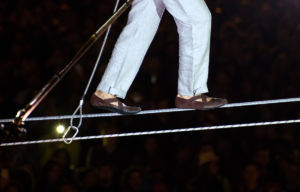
(79, 109)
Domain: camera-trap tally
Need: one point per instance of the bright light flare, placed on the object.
(60, 129)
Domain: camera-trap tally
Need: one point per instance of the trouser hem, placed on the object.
(112, 90)
(198, 91)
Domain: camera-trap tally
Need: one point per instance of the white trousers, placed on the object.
(193, 20)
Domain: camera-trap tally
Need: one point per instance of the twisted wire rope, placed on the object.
(156, 111)
(154, 132)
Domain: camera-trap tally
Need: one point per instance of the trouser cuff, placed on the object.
(201, 90)
(112, 90)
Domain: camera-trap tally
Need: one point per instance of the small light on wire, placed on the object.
(60, 129)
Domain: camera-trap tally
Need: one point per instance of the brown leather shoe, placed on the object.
(106, 104)
(206, 103)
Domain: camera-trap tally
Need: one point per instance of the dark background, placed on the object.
(254, 56)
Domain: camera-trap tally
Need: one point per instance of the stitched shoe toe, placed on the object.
(106, 105)
(204, 104)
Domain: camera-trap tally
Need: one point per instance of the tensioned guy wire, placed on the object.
(158, 132)
(81, 102)
(156, 111)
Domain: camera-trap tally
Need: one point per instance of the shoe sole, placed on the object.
(204, 108)
(112, 109)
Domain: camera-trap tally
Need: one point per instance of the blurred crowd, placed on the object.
(254, 56)
(260, 160)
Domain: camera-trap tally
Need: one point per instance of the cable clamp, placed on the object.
(68, 140)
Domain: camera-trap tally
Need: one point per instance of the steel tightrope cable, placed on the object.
(155, 132)
(156, 111)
